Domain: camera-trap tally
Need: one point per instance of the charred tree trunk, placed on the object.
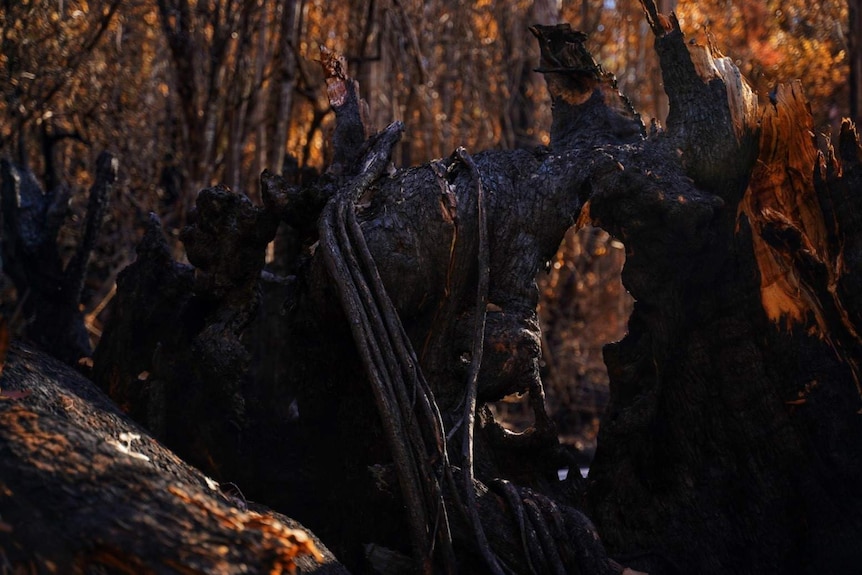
(729, 443)
(419, 314)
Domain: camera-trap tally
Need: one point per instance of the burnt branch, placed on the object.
(469, 417)
(713, 111)
(97, 206)
(50, 295)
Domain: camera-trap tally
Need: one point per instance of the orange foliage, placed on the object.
(773, 42)
(455, 75)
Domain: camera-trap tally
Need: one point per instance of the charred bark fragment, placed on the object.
(150, 294)
(842, 208)
(50, 295)
(83, 489)
(587, 107)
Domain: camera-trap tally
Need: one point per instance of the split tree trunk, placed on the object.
(730, 442)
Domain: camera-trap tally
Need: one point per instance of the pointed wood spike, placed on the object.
(709, 101)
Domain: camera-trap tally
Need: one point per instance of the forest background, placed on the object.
(188, 93)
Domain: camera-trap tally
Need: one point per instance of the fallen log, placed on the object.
(83, 489)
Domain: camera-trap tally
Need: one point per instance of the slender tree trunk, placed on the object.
(854, 41)
(262, 95)
(659, 97)
(285, 56)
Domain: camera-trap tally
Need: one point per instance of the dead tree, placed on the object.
(728, 445)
